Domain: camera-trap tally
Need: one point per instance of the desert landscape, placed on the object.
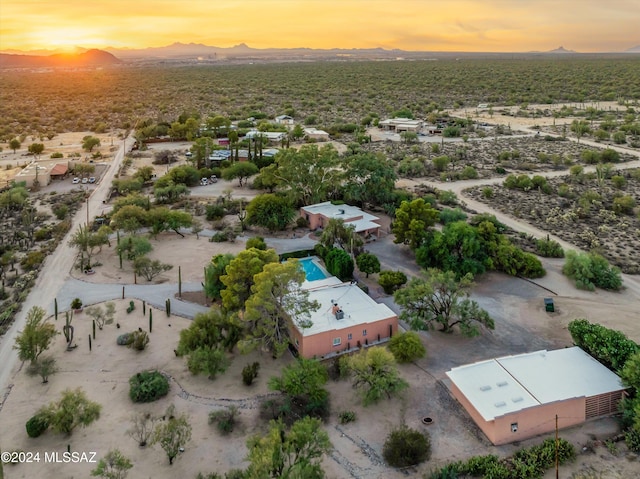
(574, 202)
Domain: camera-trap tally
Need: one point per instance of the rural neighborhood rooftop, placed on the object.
(358, 307)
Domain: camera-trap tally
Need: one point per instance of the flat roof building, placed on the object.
(517, 397)
(401, 124)
(319, 214)
(348, 318)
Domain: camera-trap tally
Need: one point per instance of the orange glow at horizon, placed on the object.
(454, 25)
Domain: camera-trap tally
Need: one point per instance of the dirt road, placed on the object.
(55, 270)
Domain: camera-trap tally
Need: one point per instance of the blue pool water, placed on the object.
(311, 270)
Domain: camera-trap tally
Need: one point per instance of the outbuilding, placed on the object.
(517, 397)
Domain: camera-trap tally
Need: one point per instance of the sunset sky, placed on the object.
(439, 25)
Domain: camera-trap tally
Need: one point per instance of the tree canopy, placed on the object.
(239, 277)
(412, 220)
(442, 300)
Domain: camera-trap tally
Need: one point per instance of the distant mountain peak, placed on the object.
(561, 49)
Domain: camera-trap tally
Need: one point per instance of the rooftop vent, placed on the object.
(500, 404)
(485, 388)
(340, 211)
(517, 399)
(502, 384)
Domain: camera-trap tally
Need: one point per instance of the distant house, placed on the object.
(284, 120)
(318, 216)
(274, 137)
(34, 171)
(59, 171)
(517, 397)
(315, 134)
(401, 124)
(347, 320)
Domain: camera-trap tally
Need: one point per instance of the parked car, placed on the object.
(204, 182)
(213, 179)
(188, 154)
(85, 181)
(76, 180)
(92, 179)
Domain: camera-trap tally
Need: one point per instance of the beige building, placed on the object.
(401, 124)
(315, 134)
(34, 171)
(319, 214)
(517, 397)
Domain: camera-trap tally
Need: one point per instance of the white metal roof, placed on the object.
(358, 307)
(499, 386)
(345, 212)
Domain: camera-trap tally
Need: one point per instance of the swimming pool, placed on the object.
(311, 270)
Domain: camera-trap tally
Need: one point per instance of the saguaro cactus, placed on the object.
(150, 320)
(179, 282)
(168, 307)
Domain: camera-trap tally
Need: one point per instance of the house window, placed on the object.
(337, 341)
(349, 337)
(297, 342)
(364, 332)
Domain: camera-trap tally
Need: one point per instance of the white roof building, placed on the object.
(351, 215)
(401, 124)
(527, 389)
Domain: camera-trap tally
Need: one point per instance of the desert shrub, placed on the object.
(37, 424)
(42, 234)
(302, 222)
(449, 215)
(138, 340)
(391, 280)
(32, 260)
(608, 346)
(407, 347)
(624, 204)
(487, 192)
(447, 197)
(468, 173)
(256, 242)
(250, 372)
(148, 386)
(346, 417)
(549, 248)
(214, 212)
(225, 419)
(61, 211)
(632, 439)
(124, 339)
(406, 447)
(590, 270)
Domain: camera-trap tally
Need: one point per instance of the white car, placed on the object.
(85, 181)
(76, 180)
(204, 182)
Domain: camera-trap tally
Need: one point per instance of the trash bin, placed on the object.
(548, 305)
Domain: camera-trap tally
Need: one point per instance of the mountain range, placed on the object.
(197, 52)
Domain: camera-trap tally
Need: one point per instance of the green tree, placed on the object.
(292, 454)
(412, 220)
(375, 372)
(90, 142)
(208, 359)
(630, 373)
(36, 337)
(240, 274)
(90, 242)
(241, 170)
(337, 232)
(339, 264)
(590, 270)
(169, 192)
(36, 149)
(270, 211)
(148, 268)
(163, 219)
(391, 280)
(213, 273)
(308, 175)
(133, 247)
(130, 218)
(14, 144)
(369, 178)
(256, 242)
(172, 435)
(72, 410)
(407, 347)
(368, 263)
(44, 368)
(211, 329)
(125, 186)
(303, 383)
(442, 300)
(277, 303)
(114, 465)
